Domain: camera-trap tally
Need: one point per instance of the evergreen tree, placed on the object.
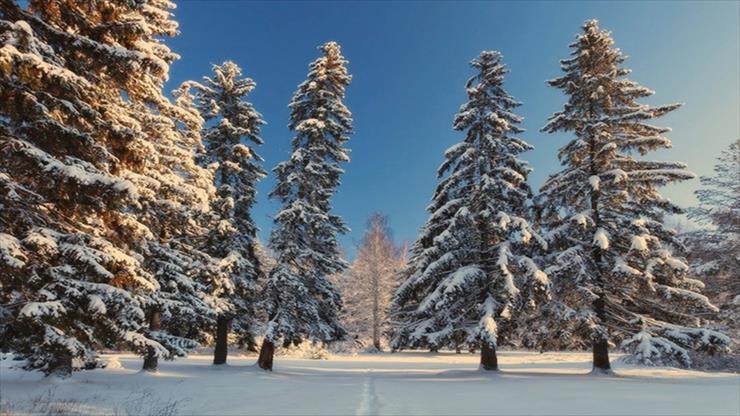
(174, 191)
(136, 137)
(69, 275)
(469, 271)
(615, 266)
(237, 168)
(714, 250)
(368, 286)
(184, 304)
(266, 260)
(717, 247)
(300, 301)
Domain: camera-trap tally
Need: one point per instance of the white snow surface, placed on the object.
(601, 239)
(400, 383)
(594, 181)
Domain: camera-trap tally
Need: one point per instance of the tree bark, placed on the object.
(376, 307)
(151, 361)
(222, 331)
(61, 365)
(601, 356)
(376, 320)
(267, 352)
(488, 359)
(601, 346)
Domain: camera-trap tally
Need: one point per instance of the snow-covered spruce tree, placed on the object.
(229, 151)
(368, 286)
(152, 139)
(716, 248)
(175, 190)
(300, 301)
(184, 305)
(267, 262)
(469, 271)
(615, 266)
(70, 280)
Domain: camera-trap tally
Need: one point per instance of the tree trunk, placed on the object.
(151, 362)
(601, 356)
(376, 315)
(222, 331)
(376, 310)
(267, 352)
(376, 332)
(601, 346)
(488, 359)
(61, 365)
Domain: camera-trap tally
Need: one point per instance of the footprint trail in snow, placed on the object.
(370, 402)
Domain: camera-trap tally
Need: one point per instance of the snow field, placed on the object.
(378, 384)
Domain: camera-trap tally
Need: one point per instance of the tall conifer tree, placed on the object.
(229, 151)
(300, 301)
(470, 273)
(126, 187)
(616, 268)
(716, 248)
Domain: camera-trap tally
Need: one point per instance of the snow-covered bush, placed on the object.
(309, 350)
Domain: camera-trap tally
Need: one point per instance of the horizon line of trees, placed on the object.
(125, 215)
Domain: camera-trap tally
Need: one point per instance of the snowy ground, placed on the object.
(404, 383)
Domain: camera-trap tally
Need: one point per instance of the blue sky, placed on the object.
(410, 60)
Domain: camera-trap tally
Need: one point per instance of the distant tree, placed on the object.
(368, 286)
(300, 302)
(229, 151)
(616, 268)
(716, 248)
(267, 262)
(469, 273)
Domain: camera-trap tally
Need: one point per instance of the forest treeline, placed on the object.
(126, 213)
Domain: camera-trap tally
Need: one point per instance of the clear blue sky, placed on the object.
(410, 60)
